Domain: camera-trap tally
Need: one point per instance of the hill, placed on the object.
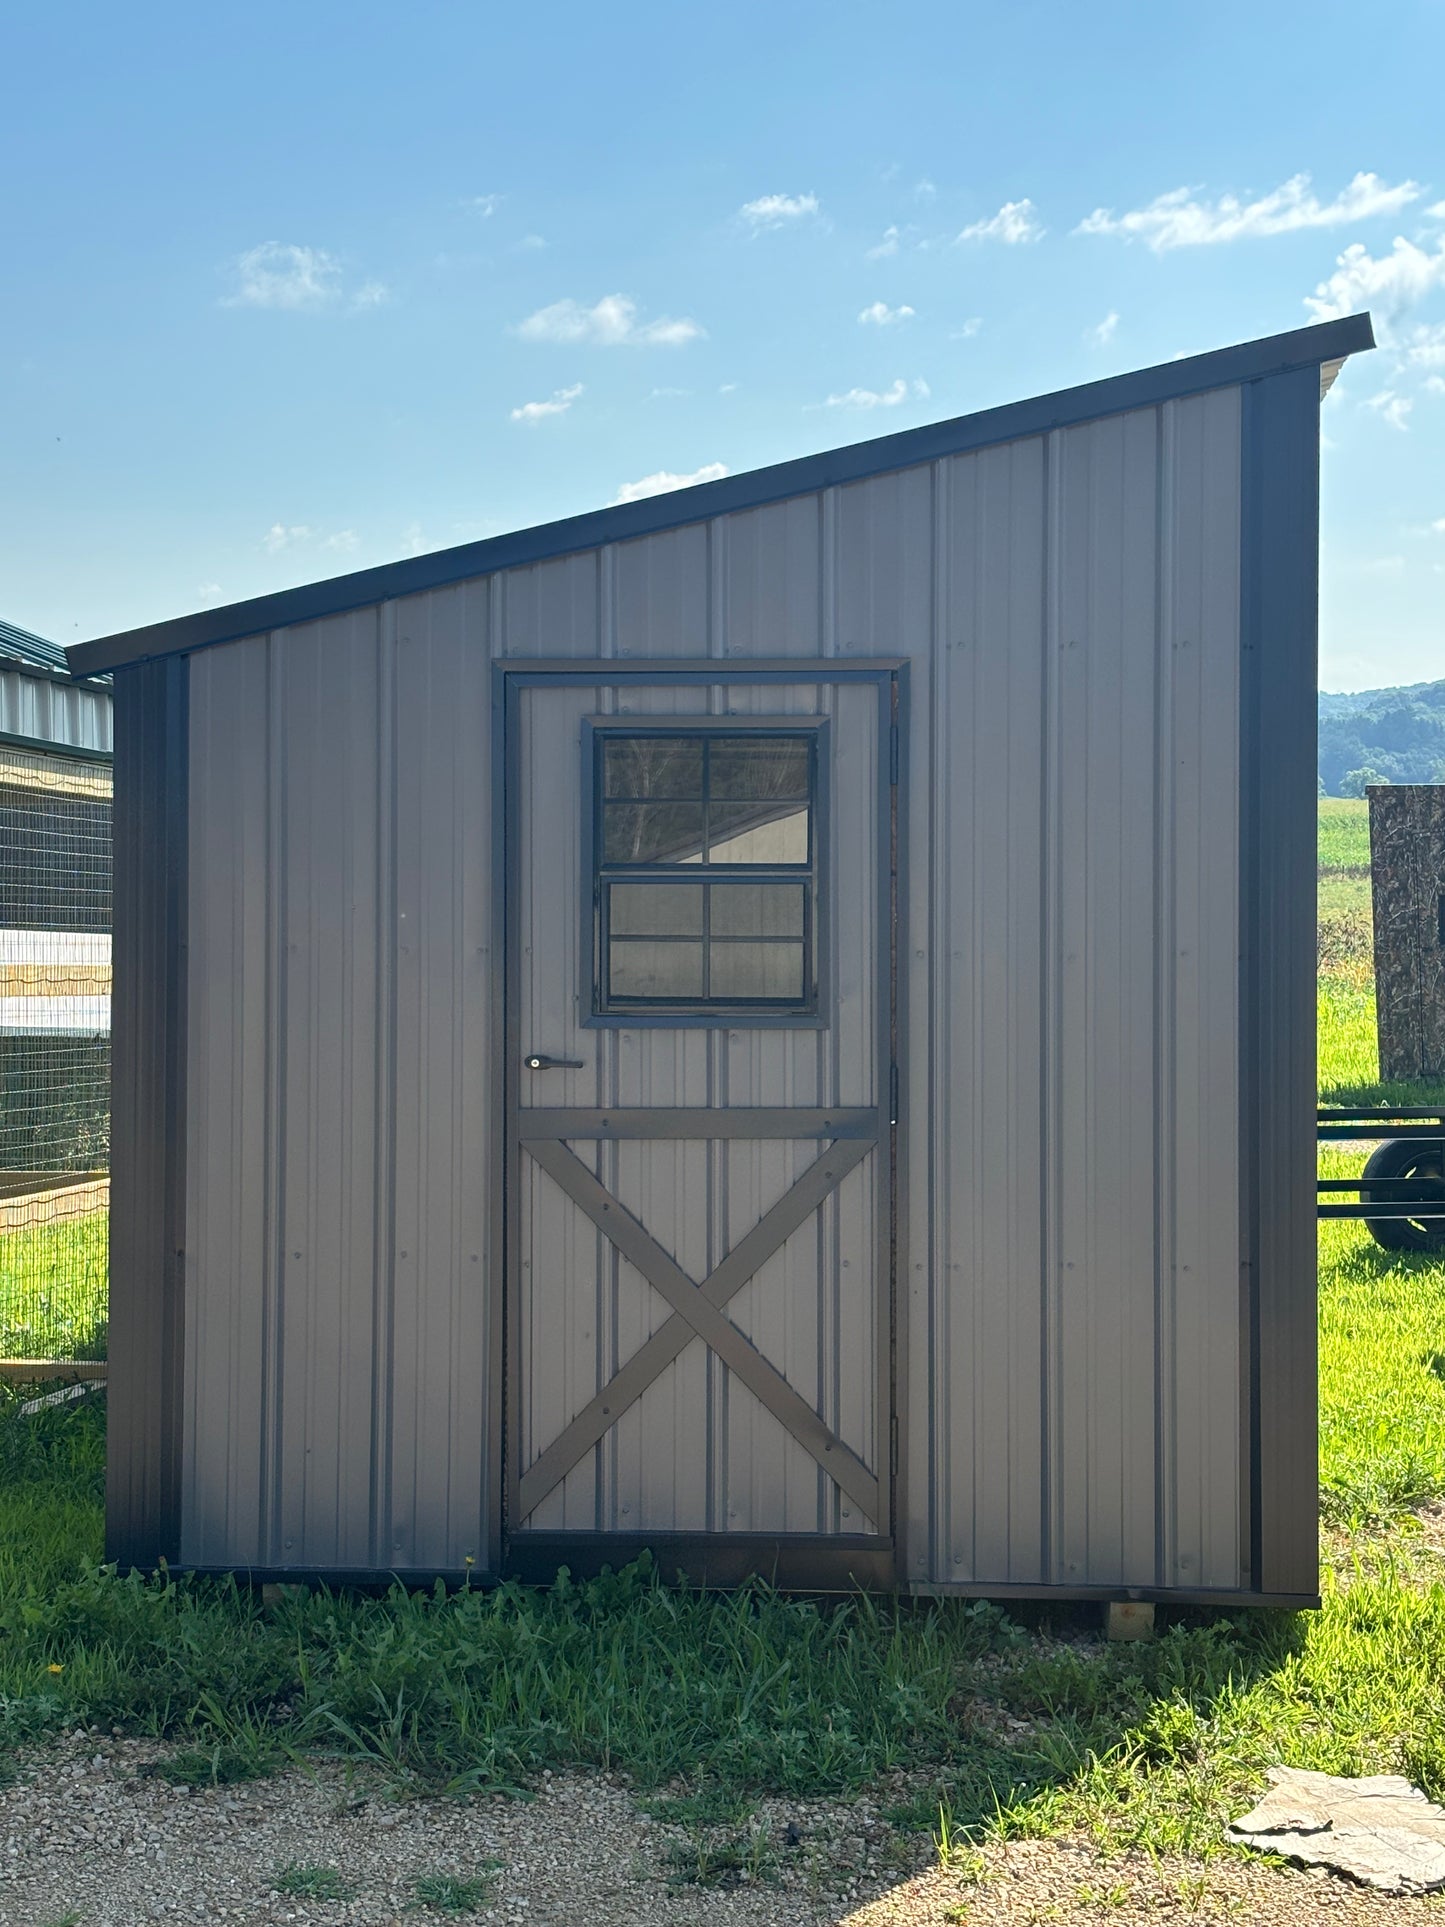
(1373, 735)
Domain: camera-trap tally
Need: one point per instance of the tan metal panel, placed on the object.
(1200, 1421)
(432, 1416)
(661, 588)
(771, 580)
(1103, 939)
(550, 609)
(230, 1263)
(327, 847)
(986, 878)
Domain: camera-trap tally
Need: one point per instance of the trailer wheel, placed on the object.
(1423, 1161)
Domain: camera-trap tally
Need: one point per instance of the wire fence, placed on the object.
(55, 922)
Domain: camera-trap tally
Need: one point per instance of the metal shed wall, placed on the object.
(40, 708)
(1070, 605)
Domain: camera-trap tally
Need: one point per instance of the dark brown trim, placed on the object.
(1301, 348)
(766, 1121)
(1279, 589)
(797, 1562)
(148, 1081)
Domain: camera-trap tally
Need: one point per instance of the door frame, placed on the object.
(803, 1560)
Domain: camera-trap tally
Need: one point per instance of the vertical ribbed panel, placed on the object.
(49, 710)
(1069, 1308)
(340, 918)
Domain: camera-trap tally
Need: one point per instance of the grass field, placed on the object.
(1019, 1723)
(54, 1281)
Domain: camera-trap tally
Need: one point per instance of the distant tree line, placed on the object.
(1381, 736)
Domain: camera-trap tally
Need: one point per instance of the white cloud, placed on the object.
(1437, 212)
(484, 204)
(969, 329)
(1103, 334)
(1435, 384)
(664, 482)
(876, 398)
(880, 315)
(279, 537)
(538, 411)
(608, 323)
(344, 541)
(278, 274)
(887, 246)
(925, 190)
(1391, 408)
(413, 541)
(209, 591)
(1438, 527)
(1425, 346)
(1392, 280)
(1178, 220)
(667, 394)
(777, 210)
(728, 388)
(1015, 222)
(1383, 565)
(531, 244)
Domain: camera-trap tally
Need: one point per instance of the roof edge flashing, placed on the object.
(1315, 346)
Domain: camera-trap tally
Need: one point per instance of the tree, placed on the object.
(1356, 781)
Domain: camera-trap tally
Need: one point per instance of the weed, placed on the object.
(712, 1805)
(737, 1858)
(302, 1881)
(218, 1765)
(445, 1893)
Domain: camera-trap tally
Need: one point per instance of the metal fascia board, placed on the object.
(1247, 361)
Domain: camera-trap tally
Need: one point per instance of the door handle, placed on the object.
(540, 1061)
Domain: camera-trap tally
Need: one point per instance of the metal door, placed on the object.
(700, 1029)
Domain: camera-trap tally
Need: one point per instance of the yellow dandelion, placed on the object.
(55, 1669)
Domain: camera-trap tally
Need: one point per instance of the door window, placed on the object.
(705, 866)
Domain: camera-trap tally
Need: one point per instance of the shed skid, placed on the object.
(770, 1026)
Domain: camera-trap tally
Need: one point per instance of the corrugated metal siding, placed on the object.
(70, 715)
(1071, 1303)
(337, 1337)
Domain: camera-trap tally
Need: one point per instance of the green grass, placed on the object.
(445, 1893)
(303, 1880)
(54, 1289)
(709, 1702)
(1344, 836)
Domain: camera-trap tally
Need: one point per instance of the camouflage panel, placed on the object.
(1407, 871)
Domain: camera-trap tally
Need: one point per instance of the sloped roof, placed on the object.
(1326, 342)
(19, 645)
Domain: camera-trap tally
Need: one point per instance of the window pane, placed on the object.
(655, 909)
(639, 969)
(762, 769)
(652, 766)
(757, 909)
(746, 970)
(753, 833)
(651, 832)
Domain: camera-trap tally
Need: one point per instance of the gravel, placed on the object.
(88, 1832)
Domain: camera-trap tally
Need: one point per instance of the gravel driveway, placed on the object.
(88, 1835)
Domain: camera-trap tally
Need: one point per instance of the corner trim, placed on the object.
(148, 1073)
(1279, 597)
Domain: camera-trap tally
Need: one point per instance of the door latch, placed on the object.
(540, 1061)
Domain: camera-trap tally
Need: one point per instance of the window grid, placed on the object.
(721, 817)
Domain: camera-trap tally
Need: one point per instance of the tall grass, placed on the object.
(55, 1288)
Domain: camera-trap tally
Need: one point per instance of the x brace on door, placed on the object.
(698, 1308)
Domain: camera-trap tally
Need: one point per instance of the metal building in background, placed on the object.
(55, 913)
(773, 1023)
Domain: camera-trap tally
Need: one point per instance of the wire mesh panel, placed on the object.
(55, 922)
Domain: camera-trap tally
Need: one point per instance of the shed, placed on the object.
(773, 1023)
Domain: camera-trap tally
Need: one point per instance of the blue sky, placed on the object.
(293, 290)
